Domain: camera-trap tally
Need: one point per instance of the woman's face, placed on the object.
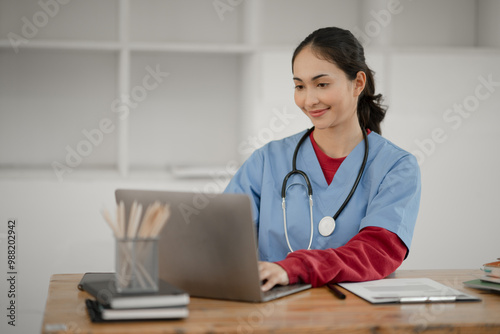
(324, 93)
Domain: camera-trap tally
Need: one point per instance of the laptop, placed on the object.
(208, 246)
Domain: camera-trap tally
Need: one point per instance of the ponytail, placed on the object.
(371, 112)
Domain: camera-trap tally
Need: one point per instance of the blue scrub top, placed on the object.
(387, 196)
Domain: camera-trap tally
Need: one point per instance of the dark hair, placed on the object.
(341, 48)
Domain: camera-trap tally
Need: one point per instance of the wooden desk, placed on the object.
(312, 311)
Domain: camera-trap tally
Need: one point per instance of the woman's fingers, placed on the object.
(272, 274)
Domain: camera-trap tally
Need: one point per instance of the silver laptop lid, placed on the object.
(208, 246)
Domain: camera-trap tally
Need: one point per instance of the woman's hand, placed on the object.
(271, 274)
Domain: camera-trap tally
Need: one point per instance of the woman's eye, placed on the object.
(322, 85)
(299, 87)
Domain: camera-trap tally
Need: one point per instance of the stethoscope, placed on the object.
(327, 224)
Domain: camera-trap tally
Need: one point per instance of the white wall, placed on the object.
(427, 70)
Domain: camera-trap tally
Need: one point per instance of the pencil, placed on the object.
(147, 222)
(160, 221)
(111, 223)
(137, 220)
(131, 220)
(121, 220)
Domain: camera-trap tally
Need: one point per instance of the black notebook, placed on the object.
(102, 287)
(100, 313)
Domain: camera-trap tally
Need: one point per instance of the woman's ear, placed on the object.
(359, 83)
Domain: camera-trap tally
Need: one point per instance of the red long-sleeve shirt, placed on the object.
(371, 254)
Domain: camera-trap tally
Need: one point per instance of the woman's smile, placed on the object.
(318, 112)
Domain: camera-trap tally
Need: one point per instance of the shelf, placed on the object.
(192, 47)
(64, 45)
(454, 50)
(117, 46)
(222, 48)
(216, 48)
(217, 175)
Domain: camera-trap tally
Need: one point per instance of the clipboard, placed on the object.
(406, 290)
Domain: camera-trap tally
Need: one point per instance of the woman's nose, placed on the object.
(311, 99)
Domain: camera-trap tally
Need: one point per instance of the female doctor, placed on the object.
(337, 202)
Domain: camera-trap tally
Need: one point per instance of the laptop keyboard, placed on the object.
(282, 290)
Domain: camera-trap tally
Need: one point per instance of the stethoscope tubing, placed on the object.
(309, 187)
(358, 178)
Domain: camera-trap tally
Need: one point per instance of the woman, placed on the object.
(370, 186)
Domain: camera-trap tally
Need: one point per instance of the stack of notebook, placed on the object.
(169, 302)
(490, 280)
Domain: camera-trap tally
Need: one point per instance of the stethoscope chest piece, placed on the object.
(326, 226)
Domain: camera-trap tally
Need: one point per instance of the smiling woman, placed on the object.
(340, 52)
(329, 99)
(372, 190)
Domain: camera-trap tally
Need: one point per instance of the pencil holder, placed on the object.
(136, 265)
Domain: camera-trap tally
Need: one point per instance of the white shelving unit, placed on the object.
(75, 63)
(141, 36)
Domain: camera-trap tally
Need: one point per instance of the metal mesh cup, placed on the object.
(136, 265)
